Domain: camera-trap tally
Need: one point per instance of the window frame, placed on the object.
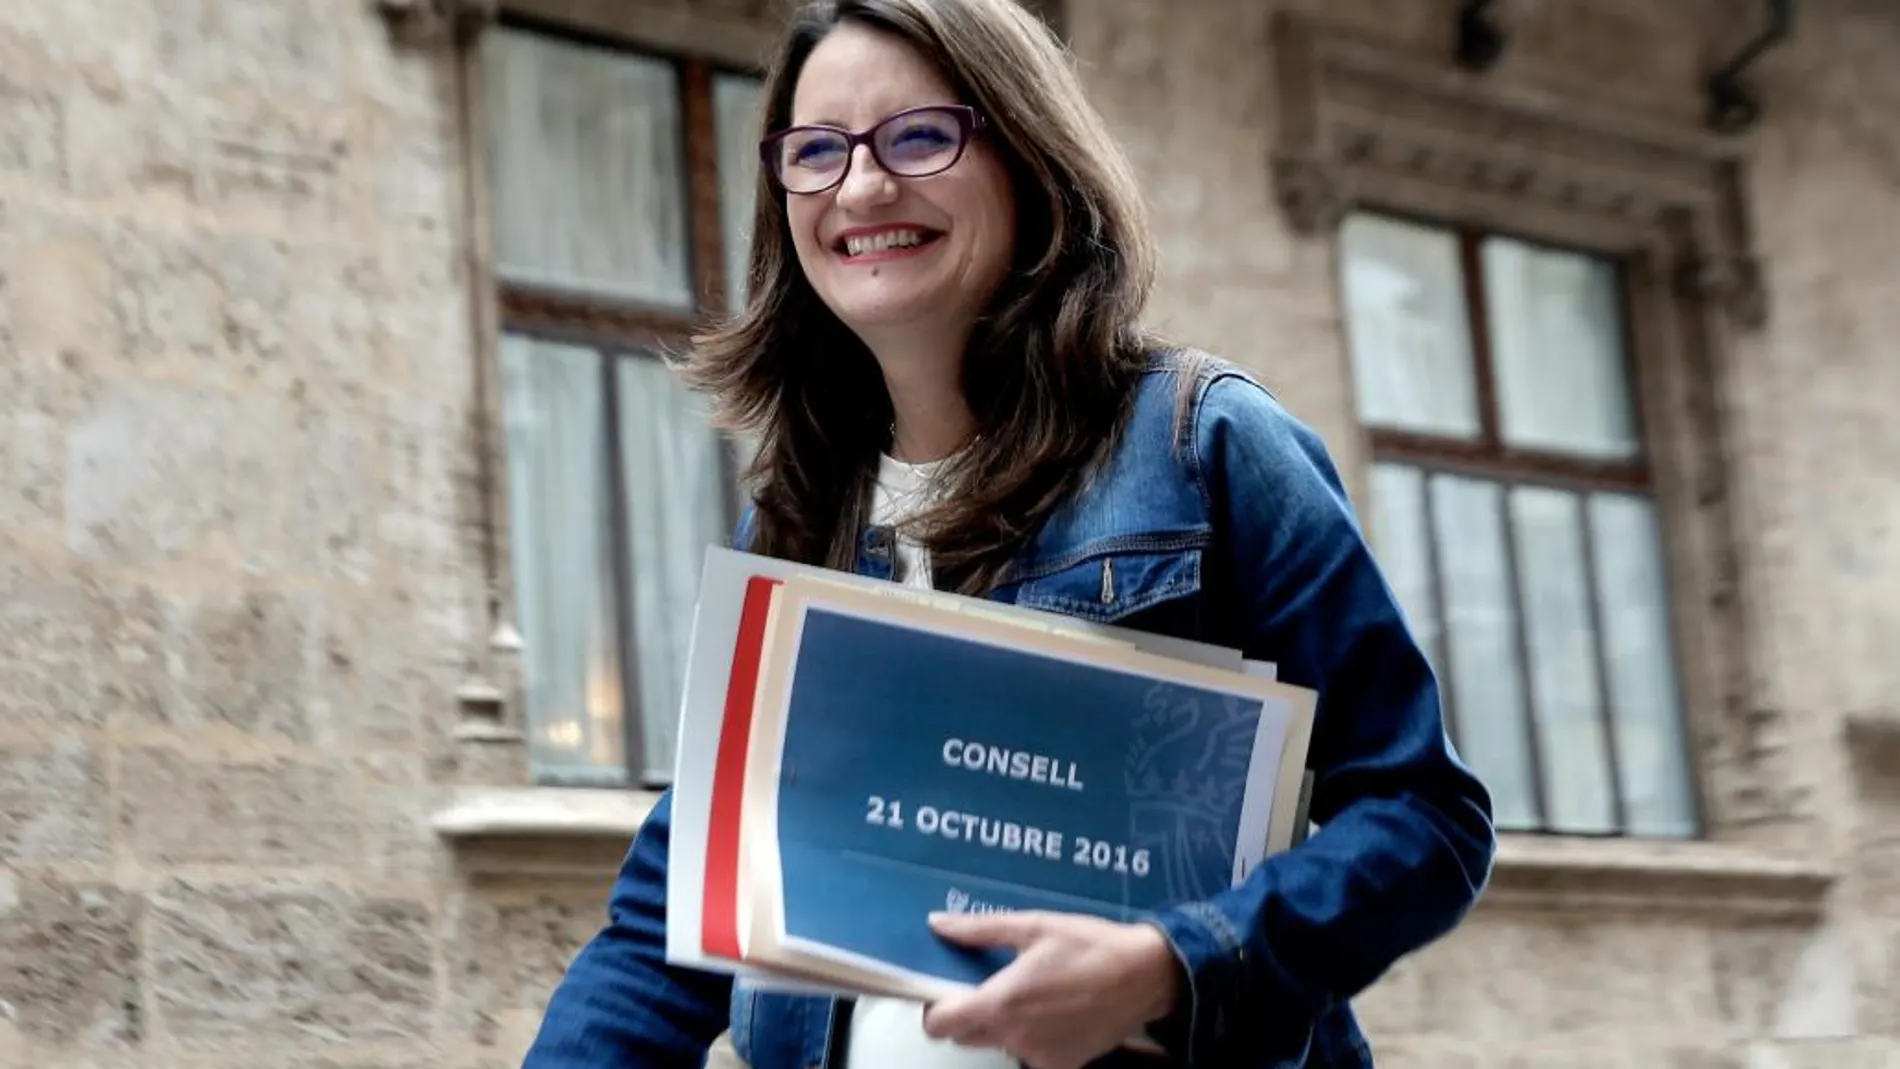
(616, 329)
(1489, 459)
(1365, 123)
(1489, 455)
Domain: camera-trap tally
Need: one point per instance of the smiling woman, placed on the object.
(942, 361)
(986, 321)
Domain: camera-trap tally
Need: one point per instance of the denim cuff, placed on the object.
(1211, 953)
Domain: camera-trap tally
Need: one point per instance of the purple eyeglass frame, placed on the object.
(969, 121)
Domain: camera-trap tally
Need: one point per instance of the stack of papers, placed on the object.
(855, 755)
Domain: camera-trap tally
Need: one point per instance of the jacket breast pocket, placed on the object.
(1148, 590)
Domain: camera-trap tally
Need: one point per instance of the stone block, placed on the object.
(405, 690)
(300, 315)
(185, 808)
(507, 955)
(423, 334)
(168, 295)
(427, 450)
(69, 961)
(417, 171)
(278, 165)
(255, 273)
(329, 526)
(32, 473)
(300, 965)
(60, 288)
(77, 36)
(1789, 982)
(1511, 975)
(401, 848)
(1864, 1053)
(442, 604)
(1879, 976)
(76, 649)
(54, 804)
(259, 659)
(143, 139)
(287, 48)
(31, 131)
(159, 472)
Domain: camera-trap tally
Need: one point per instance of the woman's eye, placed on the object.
(814, 154)
(924, 137)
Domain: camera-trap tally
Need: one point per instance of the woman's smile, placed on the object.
(881, 244)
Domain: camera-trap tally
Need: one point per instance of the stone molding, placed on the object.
(1696, 879)
(556, 832)
(1875, 726)
(1358, 118)
(418, 22)
(1872, 738)
(511, 833)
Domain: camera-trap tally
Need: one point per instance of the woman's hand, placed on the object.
(1078, 988)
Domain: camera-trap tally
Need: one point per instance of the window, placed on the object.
(1511, 503)
(620, 185)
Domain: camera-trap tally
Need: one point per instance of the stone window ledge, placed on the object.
(1700, 878)
(558, 831)
(543, 831)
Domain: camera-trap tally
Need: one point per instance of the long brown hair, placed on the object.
(1051, 367)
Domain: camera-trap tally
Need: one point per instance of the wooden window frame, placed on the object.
(522, 304)
(1488, 456)
(618, 330)
(1488, 459)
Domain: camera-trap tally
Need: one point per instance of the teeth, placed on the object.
(889, 239)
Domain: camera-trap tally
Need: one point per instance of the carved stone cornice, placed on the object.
(1731, 282)
(1649, 878)
(427, 22)
(541, 833)
(1308, 192)
(1364, 122)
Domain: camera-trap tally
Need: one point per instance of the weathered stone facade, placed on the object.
(248, 813)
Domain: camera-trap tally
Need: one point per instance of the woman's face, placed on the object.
(892, 255)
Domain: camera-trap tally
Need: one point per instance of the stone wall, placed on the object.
(239, 571)
(242, 536)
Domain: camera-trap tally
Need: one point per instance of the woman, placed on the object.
(943, 363)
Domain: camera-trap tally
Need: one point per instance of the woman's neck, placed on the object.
(930, 418)
(931, 433)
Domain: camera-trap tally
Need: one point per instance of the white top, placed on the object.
(902, 491)
(889, 1033)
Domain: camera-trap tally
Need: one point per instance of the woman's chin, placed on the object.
(887, 312)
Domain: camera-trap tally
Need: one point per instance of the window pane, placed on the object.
(1481, 629)
(586, 171)
(1557, 347)
(1548, 525)
(677, 505)
(1401, 540)
(559, 523)
(1407, 327)
(735, 109)
(1651, 755)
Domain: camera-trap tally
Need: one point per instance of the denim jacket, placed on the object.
(1237, 531)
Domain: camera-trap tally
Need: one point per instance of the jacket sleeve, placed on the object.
(620, 1005)
(1405, 839)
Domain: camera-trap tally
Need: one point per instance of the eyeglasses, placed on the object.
(915, 143)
